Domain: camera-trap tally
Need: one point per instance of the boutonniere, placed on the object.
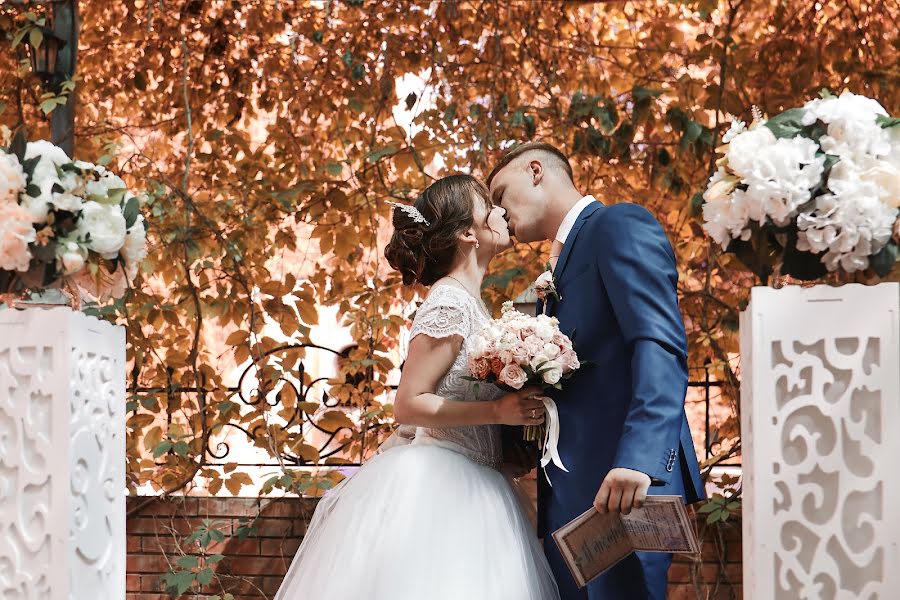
(545, 285)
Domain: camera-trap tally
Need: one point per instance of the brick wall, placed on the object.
(254, 565)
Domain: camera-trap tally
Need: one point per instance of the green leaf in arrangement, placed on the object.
(33, 190)
(132, 209)
(883, 262)
(887, 122)
(788, 124)
(18, 144)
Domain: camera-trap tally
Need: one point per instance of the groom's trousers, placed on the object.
(640, 576)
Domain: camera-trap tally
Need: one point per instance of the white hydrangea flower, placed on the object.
(853, 134)
(45, 177)
(849, 226)
(744, 148)
(12, 178)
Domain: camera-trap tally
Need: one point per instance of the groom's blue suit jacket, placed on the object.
(616, 277)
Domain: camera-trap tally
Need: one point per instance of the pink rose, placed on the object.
(520, 354)
(560, 340)
(569, 361)
(526, 332)
(513, 375)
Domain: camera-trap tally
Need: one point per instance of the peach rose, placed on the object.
(513, 375)
(496, 366)
(480, 368)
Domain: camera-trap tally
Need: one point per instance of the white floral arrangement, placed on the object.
(65, 221)
(819, 185)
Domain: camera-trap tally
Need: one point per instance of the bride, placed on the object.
(433, 517)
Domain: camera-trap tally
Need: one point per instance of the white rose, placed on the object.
(135, 249)
(544, 330)
(538, 361)
(553, 374)
(551, 350)
(106, 226)
(886, 177)
(12, 178)
(71, 257)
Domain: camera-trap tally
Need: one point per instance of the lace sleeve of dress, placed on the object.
(445, 312)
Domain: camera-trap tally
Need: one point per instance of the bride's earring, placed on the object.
(477, 245)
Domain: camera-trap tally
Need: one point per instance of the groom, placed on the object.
(624, 433)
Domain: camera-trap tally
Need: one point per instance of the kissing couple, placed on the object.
(433, 514)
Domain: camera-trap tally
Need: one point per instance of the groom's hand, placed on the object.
(622, 490)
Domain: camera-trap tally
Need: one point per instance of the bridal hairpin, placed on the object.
(411, 211)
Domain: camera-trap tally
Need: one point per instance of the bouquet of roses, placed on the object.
(65, 221)
(518, 350)
(817, 185)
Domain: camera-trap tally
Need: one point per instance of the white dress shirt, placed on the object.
(565, 228)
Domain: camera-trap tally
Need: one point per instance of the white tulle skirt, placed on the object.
(420, 522)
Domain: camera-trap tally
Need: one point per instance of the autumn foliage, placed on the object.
(267, 136)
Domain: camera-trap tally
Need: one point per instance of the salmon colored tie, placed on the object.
(555, 250)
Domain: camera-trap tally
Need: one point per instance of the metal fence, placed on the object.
(329, 442)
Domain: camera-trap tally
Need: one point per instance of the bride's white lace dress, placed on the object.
(430, 516)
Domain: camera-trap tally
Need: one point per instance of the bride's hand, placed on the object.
(522, 407)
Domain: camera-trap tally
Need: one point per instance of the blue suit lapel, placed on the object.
(567, 249)
(570, 241)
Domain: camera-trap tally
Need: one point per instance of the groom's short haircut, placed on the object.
(551, 154)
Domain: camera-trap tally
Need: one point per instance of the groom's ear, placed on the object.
(537, 171)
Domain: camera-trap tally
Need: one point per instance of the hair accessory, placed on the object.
(411, 211)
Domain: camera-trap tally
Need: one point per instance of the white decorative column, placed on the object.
(62, 456)
(820, 425)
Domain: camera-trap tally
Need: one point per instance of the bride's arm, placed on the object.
(416, 403)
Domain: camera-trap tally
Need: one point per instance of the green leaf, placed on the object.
(825, 93)
(334, 169)
(375, 155)
(708, 508)
(883, 262)
(204, 576)
(188, 562)
(887, 122)
(35, 37)
(787, 124)
(49, 105)
(132, 209)
(33, 190)
(214, 559)
(130, 406)
(181, 448)
(20, 35)
(639, 93)
(162, 448)
(116, 195)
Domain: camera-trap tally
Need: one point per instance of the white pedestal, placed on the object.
(62, 456)
(820, 426)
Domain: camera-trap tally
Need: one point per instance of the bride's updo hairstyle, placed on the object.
(424, 252)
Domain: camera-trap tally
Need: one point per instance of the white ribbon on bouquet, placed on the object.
(551, 438)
